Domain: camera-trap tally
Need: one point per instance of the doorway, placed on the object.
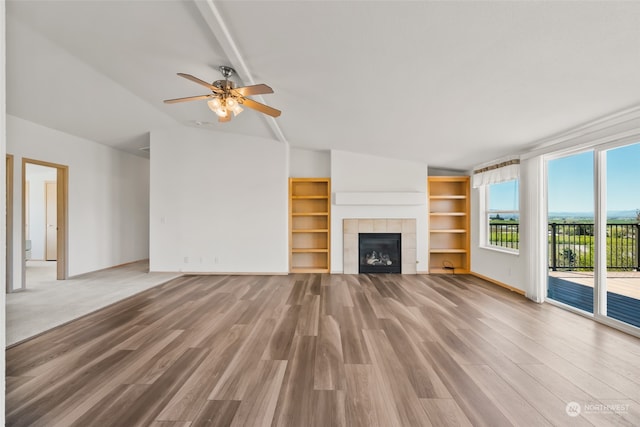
(44, 219)
(9, 223)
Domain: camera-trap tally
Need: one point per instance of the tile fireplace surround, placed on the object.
(405, 226)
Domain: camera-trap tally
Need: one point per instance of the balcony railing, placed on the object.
(571, 246)
(505, 235)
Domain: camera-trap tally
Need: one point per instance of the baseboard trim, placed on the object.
(496, 282)
(218, 273)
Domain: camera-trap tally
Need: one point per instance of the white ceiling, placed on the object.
(452, 84)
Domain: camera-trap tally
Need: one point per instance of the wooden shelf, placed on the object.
(448, 251)
(310, 214)
(309, 225)
(308, 197)
(308, 270)
(454, 270)
(449, 224)
(448, 197)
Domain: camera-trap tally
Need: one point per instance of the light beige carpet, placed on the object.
(47, 302)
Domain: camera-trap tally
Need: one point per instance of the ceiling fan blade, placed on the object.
(200, 82)
(260, 107)
(188, 98)
(253, 90)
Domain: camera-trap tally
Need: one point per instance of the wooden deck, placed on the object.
(625, 283)
(576, 289)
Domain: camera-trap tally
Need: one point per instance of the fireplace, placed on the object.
(406, 227)
(379, 253)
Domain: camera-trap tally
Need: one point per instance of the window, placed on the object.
(502, 216)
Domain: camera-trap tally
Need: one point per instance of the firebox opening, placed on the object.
(379, 253)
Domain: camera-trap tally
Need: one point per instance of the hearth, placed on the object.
(379, 253)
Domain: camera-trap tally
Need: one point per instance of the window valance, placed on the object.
(499, 172)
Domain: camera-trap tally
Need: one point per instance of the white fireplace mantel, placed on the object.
(380, 198)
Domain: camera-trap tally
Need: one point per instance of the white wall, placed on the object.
(309, 163)
(218, 202)
(108, 197)
(351, 172)
(37, 176)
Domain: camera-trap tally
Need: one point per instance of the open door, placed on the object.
(56, 218)
(51, 222)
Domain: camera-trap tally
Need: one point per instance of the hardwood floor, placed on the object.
(326, 350)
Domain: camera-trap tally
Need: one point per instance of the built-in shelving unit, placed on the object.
(309, 225)
(449, 224)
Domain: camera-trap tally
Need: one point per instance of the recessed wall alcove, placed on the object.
(351, 227)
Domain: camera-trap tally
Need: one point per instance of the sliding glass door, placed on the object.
(570, 219)
(620, 285)
(593, 218)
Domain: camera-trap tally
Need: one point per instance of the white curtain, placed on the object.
(500, 172)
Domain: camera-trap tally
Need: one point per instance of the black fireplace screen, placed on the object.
(379, 252)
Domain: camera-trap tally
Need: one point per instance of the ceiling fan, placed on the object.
(226, 98)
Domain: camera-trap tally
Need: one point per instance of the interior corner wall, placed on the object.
(108, 199)
(219, 203)
(351, 172)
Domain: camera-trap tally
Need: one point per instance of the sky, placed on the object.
(504, 196)
(570, 183)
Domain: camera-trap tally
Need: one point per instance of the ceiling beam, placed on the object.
(216, 24)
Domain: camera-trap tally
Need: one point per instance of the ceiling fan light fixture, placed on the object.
(237, 109)
(217, 107)
(231, 102)
(214, 104)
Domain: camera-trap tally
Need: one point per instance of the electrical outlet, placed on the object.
(186, 260)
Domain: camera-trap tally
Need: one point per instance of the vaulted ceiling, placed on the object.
(450, 83)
